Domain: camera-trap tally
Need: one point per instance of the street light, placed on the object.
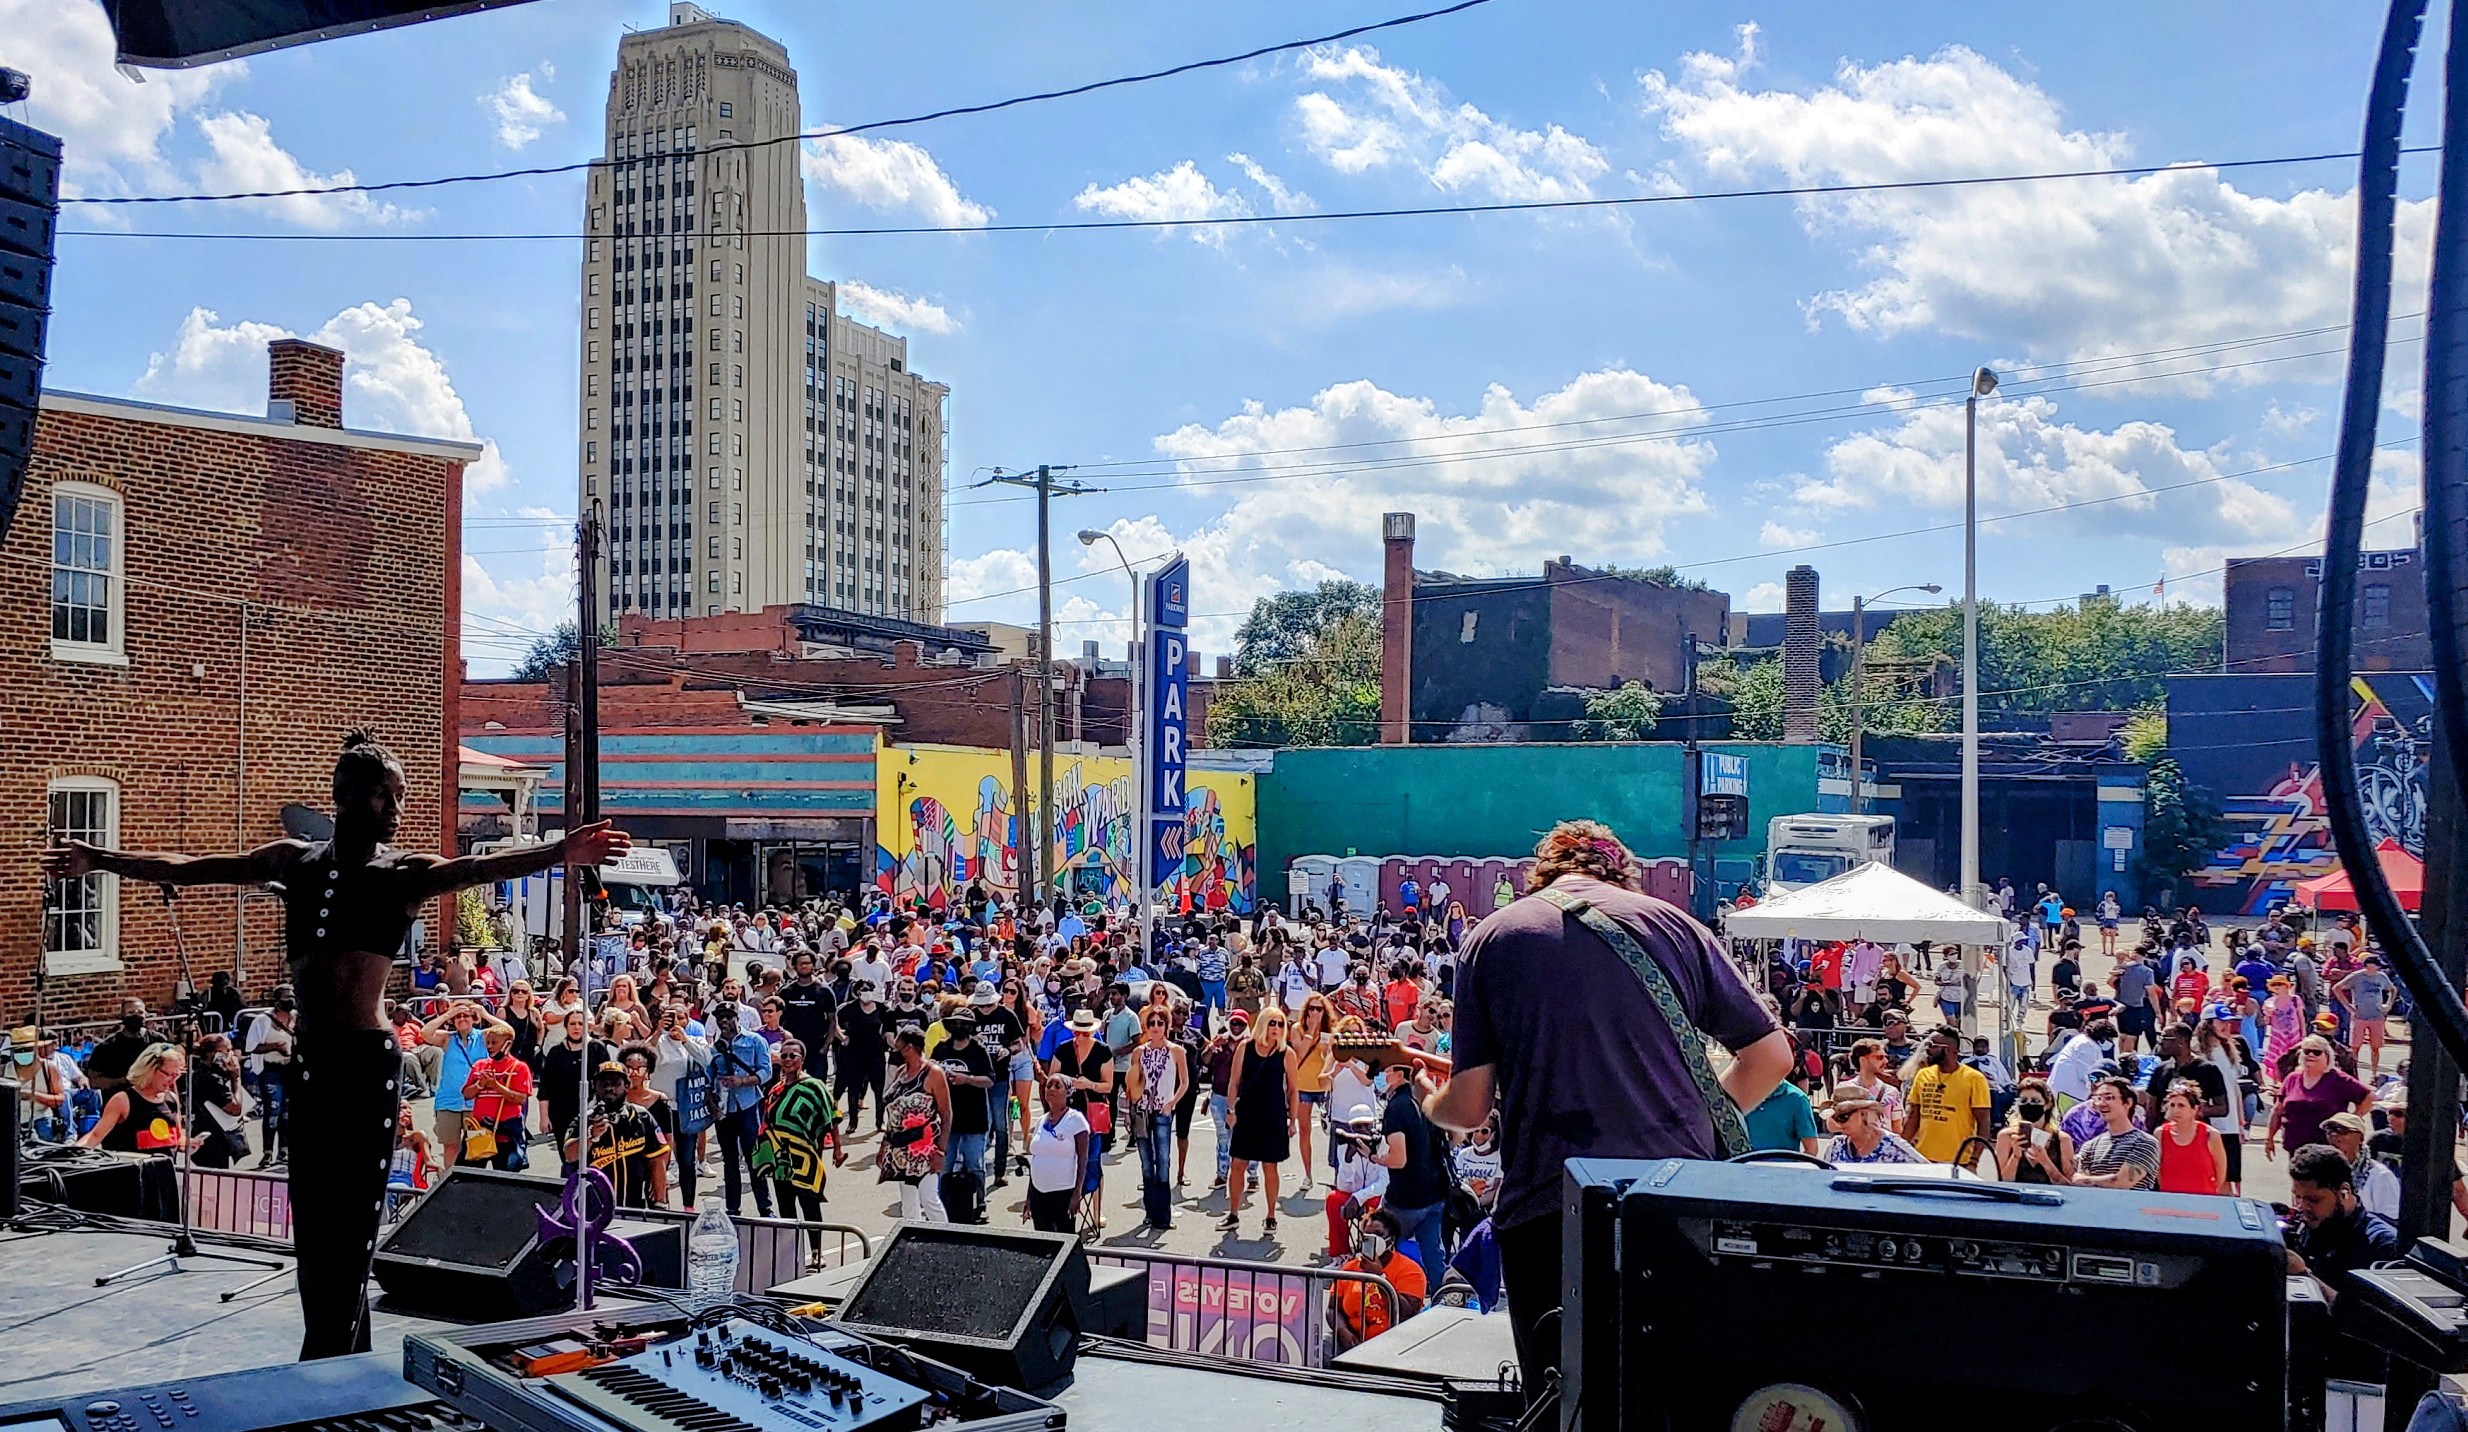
(1983, 383)
(1859, 652)
(1090, 537)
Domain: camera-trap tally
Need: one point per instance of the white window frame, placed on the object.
(105, 957)
(115, 651)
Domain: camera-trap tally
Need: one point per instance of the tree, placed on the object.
(2098, 655)
(555, 651)
(1286, 626)
(1325, 691)
(1624, 714)
(2181, 827)
(2144, 736)
(549, 653)
(1663, 576)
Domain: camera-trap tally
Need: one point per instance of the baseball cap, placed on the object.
(2347, 1123)
(2326, 1022)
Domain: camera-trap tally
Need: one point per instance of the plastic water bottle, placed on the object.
(711, 1253)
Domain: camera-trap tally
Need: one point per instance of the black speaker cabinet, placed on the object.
(473, 1246)
(1002, 1304)
(8, 1157)
(1686, 1285)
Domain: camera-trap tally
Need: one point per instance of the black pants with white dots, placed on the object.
(344, 1098)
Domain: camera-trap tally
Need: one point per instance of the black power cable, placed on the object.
(2444, 467)
(2437, 1003)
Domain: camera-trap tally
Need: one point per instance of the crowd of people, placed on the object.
(973, 1043)
(2181, 1060)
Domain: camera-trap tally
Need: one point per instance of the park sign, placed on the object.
(1165, 703)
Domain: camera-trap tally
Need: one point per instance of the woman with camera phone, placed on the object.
(2032, 1149)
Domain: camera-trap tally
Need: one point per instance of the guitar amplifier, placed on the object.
(1723, 1296)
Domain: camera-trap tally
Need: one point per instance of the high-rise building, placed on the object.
(749, 445)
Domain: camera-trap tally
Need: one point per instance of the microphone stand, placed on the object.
(184, 1241)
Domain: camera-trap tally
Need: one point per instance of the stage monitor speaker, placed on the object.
(474, 1243)
(1002, 1304)
(1671, 1266)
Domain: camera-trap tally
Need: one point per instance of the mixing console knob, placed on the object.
(1887, 1250)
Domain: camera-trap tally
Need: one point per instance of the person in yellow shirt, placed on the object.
(1947, 1103)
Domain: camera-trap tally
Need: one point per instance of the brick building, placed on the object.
(2270, 613)
(1510, 658)
(193, 607)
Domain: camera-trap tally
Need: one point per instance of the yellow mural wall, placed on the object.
(945, 815)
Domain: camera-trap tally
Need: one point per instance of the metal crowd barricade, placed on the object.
(232, 1200)
(1234, 1308)
(772, 1251)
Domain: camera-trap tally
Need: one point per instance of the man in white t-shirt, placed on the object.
(1331, 964)
(870, 968)
(2069, 1074)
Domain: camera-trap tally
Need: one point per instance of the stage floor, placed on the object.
(65, 1335)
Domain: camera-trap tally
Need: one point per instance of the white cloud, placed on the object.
(1775, 534)
(391, 381)
(891, 174)
(244, 157)
(112, 127)
(522, 113)
(1282, 197)
(1763, 597)
(1341, 292)
(1491, 487)
(2029, 460)
(2066, 269)
(2282, 422)
(502, 613)
(899, 312)
(1181, 193)
(975, 583)
(1375, 115)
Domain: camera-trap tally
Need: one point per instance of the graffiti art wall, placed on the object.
(2248, 741)
(947, 816)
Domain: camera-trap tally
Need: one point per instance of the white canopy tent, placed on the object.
(1873, 901)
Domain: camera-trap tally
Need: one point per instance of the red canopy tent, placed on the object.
(2405, 872)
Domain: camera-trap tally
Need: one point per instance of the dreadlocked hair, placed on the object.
(1582, 847)
(362, 762)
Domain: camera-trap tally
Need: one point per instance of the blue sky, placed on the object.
(1732, 386)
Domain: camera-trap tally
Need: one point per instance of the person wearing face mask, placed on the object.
(859, 1055)
(1360, 1311)
(2032, 1149)
(1412, 1151)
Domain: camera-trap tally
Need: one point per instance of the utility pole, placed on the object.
(1042, 483)
(1692, 767)
(1022, 846)
(582, 808)
(1859, 671)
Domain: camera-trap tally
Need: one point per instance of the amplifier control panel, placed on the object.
(1877, 1251)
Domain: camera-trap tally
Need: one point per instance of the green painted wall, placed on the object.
(1498, 800)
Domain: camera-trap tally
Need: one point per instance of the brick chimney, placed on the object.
(1396, 628)
(305, 385)
(1799, 655)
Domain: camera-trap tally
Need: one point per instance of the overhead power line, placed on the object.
(736, 146)
(1070, 226)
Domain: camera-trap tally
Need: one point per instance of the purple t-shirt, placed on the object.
(2302, 1110)
(1585, 1066)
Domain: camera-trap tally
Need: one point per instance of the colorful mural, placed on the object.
(947, 817)
(2248, 741)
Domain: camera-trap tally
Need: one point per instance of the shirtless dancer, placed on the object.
(348, 903)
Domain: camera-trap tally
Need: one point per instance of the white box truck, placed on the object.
(1801, 850)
